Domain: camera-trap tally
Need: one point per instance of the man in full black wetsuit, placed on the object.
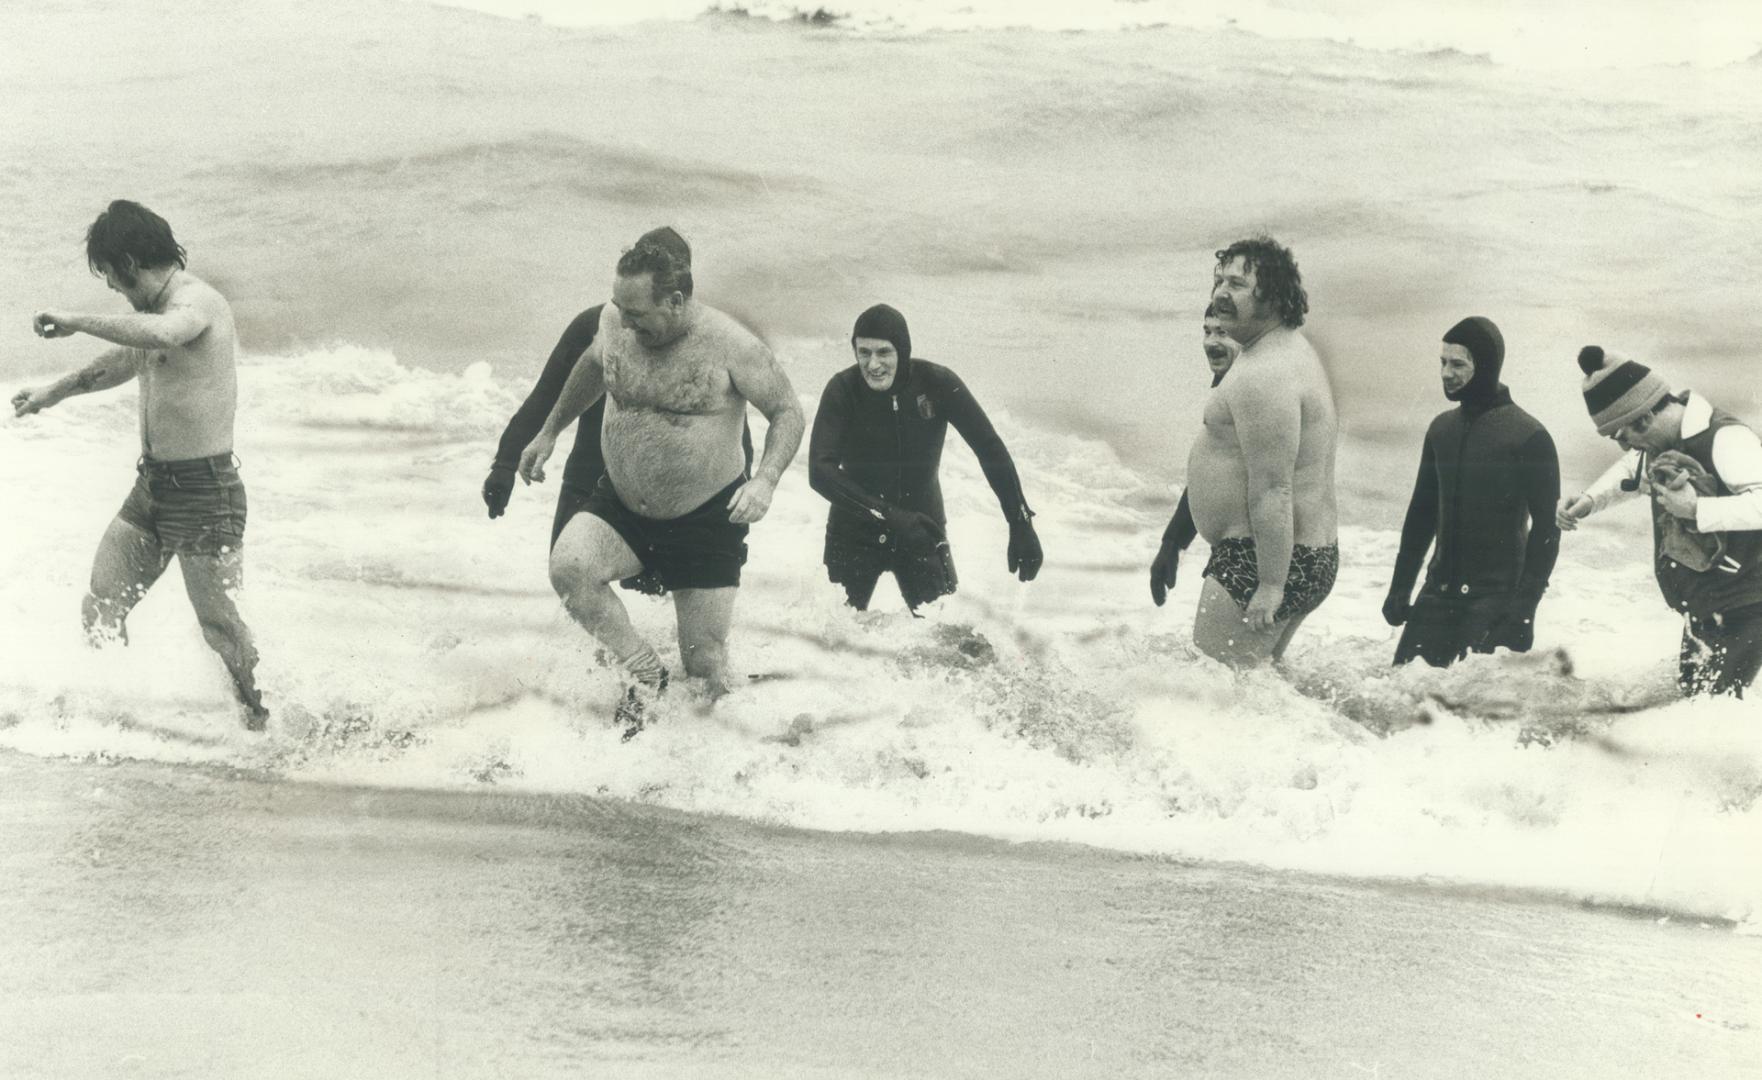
(874, 454)
(586, 463)
(1486, 492)
(1221, 351)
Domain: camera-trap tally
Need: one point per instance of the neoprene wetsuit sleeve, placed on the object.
(1539, 468)
(825, 475)
(1000, 469)
(1420, 526)
(1181, 528)
(531, 415)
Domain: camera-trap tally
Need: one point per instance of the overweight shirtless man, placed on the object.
(675, 500)
(1261, 475)
(188, 499)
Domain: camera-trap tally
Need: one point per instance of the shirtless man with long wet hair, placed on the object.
(1261, 475)
(675, 499)
(188, 499)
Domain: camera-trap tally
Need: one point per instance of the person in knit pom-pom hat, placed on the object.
(1702, 469)
(875, 454)
(1488, 481)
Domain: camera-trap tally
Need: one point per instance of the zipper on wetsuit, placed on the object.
(1456, 571)
(898, 452)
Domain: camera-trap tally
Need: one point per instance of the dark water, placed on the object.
(173, 923)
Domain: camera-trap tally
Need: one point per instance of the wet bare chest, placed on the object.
(191, 368)
(1219, 424)
(684, 383)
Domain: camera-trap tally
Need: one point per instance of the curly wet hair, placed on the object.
(663, 253)
(1275, 273)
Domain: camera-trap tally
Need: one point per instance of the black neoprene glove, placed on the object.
(1025, 555)
(497, 486)
(1162, 569)
(1396, 608)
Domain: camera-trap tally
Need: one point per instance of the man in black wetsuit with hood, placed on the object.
(874, 454)
(1486, 492)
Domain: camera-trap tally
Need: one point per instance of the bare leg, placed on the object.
(1220, 631)
(589, 555)
(1286, 634)
(705, 616)
(211, 581)
(127, 564)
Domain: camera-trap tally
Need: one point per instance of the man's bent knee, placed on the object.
(588, 555)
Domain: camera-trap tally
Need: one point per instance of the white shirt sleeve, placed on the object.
(1737, 457)
(1605, 491)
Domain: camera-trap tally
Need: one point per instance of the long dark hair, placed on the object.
(128, 237)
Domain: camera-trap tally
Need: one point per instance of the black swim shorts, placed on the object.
(571, 500)
(700, 549)
(1232, 565)
(190, 507)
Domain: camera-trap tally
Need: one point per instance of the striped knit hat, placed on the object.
(1617, 390)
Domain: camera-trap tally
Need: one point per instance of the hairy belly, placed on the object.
(667, 464)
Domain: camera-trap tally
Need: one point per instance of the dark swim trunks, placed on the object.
(700, 549)
(191, 507)
(1311, 579)
(572, 500)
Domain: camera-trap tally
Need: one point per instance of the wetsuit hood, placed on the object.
(1483, 342)
(886, 324)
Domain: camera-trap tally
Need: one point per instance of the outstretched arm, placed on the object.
(1605, 491)
(1268, 418)
(112, 368)
(969, 419)
(1025, 554)
(758, 378)
(531, 416)
(182, 322)
(586, 382)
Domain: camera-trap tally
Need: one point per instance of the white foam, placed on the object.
(407, 640)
